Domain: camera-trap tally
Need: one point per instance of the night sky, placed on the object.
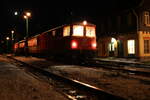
(47, 13)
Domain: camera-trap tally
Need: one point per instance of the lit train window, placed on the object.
(32, 42)
(66, 31)
(16, 46)
(78, 30)
(53, 33)
(90, 31)
(21, 45)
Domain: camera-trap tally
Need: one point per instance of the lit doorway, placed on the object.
(112, 47)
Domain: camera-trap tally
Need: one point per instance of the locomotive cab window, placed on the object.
(78, 30)
(66, 31)
(90, 31)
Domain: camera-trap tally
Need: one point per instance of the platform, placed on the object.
(18, 84)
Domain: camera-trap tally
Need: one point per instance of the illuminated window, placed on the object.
(146, 18)
(21, 45)
(53, 33)
(90, 31)
(77, 30)
(131, 46)
(16, 46)
(146, 46)
(32, 42)
(66, 31)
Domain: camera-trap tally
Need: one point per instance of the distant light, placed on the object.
(7, 38)
(12, 31)
(25, 17)
(16, 13)
(28, 14)
(84, 22)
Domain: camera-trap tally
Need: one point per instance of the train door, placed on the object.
(120, 48)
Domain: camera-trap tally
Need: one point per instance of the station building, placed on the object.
(126, 34)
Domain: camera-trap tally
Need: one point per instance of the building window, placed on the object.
(146, 18)
(146, 46)
(131, 46)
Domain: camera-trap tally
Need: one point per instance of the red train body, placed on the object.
(77, 39)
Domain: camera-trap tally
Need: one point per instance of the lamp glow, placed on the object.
(25, 17)
(16, 13)
(28, 14)
(7, 38)
(84, 22)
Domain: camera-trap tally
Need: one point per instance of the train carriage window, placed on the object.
(53, 33)
(21, 45)
(58, 33)
(78, 30)
(32, 42)
(90, 31)
(66, 31)
(16, 46)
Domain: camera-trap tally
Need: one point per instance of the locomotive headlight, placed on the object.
(74, 44)
(94, 45)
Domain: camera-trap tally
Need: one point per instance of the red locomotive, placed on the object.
(71, 40)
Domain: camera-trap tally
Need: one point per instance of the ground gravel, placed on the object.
(17, 84)
(131, 87)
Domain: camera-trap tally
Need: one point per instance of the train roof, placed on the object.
(21, 41)
(81, 23)
(74, 23)
(54, 28)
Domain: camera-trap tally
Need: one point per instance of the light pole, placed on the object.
(26, 17)
(12, 39)
(12, 35)
(7, 40)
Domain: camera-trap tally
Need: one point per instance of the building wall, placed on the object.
(143, 35)
(103, 46)
(132, 24)
(120, 46)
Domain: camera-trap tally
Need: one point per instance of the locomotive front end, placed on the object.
(83, 40)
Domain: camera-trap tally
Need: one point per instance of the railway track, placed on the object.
(72, 89)
(133, 68)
